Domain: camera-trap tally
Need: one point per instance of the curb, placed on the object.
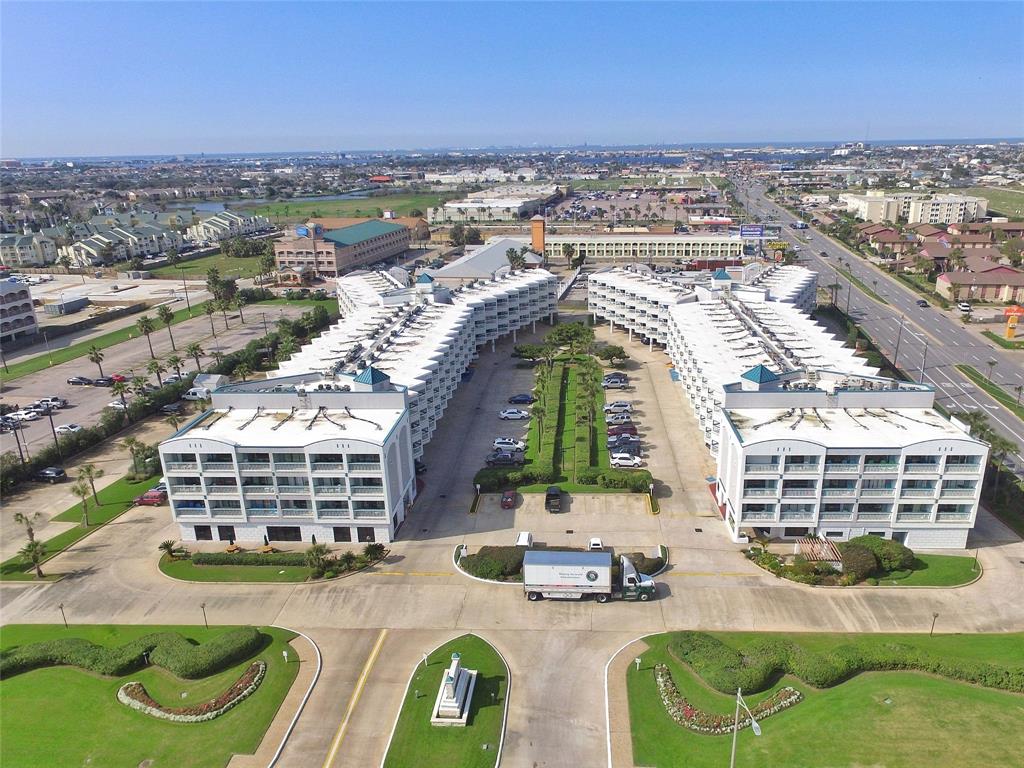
(607, 704)
(504, 717)
(313, 582)
(462, 571)
(981, 572)
(305, 698)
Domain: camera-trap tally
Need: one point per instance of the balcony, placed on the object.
(181, 466)
(333, 513)
(293, 490)
(262, 511)
(295, 512)
(290, 466)
(835, 516)
(960, 492)
(190, 512)
(918, 492)
(761, 469)
(223, 512)
(799, 492)
(360, 466)
(839, 492)
(760, 491)
(913, 517)
(328, 466)
(920, 469)
(185, 489)
(886, 467)
(874, 515)
(953, 517)
(790, 517)
(842, 467)
(218, 466)
(258, 489)
(254, 466)
(802, 468)
(330, 490)
(370, 514)
(963, 469)
(222, 490)
(876, 491)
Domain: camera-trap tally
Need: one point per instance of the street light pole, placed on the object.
(896, 354)
(53, 429)
(924, 357)
(61, 606)
(205, 622)
(735, 730)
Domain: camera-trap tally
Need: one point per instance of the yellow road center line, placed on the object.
(354, 699)
(705, 573)
(409, 573)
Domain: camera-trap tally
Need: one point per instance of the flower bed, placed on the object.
(688, 716)
(134, 695)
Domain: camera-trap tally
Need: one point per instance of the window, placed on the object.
(834, 534)
(203, 533)
(284, 533)
(342, 533)
(365, 534)
(226, 532)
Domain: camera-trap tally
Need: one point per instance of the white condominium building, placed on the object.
(914, 207)
(225, 225)
(839, 456)
(290, 458)
(17, 315)
(790, 284)
(424, 337)
(638, 301)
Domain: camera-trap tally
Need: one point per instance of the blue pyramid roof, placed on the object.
(721, 274)
(760, 375)
(424, 278)
(371, 375)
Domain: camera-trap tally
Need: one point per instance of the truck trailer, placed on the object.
(571, 575)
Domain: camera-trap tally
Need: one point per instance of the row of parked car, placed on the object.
(624, 445)
(35, 411)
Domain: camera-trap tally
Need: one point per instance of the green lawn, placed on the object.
(877, 719)
(64, 716)
(402, 204)
(934, 571)
(418, 744)
(183, 568)
(1007, 400)
(229, 266)
(115, 499)
(1004, 343)
(1001, 200)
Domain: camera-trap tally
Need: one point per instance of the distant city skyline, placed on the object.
(116, 79)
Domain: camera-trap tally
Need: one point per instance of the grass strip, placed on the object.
(1004, 343)
(860, 284)
(997, 393)
(935, 571)
(183, 568)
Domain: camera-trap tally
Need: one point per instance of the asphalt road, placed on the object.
(932, 341)
(86, 403)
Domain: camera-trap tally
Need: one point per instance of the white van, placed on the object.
(524, 539)
(197, 393)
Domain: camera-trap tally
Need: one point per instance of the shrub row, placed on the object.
(725, 669)
(169, 650)
(634, 480)
(249, 558)
(495, 563)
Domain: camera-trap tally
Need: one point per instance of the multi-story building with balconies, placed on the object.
(294, 457)
(17, 315)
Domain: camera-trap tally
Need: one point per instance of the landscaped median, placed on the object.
(316, 563)
(115, 500)
(416, 743)
(1004, 343)
(1000, 395)
(221, 686)
(923, 700)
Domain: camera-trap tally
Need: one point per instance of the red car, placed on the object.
(621, 429)
(508, 499)
(151, 499)
(118, 377)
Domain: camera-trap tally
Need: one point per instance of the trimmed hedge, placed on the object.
(494, 563)
(858, 561)
(249, 558)
(725, 669)
(892, 555)
(169, 650)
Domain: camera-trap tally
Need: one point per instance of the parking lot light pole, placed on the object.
(754, 725)
(61, 606)
(53, 429)
(205, 622)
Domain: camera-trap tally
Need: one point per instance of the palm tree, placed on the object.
(146, 326)
(34, 552)
(999, 449)
(90, 473)
(81, 490)
(218, 356)
(175, 362)
(174, 420)
(267, 265)
(568, 251)
(96, 356)
(285, 347)
(167, 547)
(119, 388)
(1018, 389)
(29, 521)
(240, 301)
(991, 367)
(157, 368)
(346, 560)
(194, 350)
(316, 557)
(224, 305)
(65, 261)
(242, 370)
(134, 447)
(166, 315)
(209, 307)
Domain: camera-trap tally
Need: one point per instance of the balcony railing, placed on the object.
(835, 516)
(952, 517)
(328, 466)
(842, 467)
(920, 469)
(330, 490)
(920, 492)
(876, 491)
(217, 466)
(367, 490)
(880, 467)
(913, 517)
(757, 516)
(799, 492)
(190, 512)
(805, 468)
(181, 466)
(364, 466)
(289, 466)
(791, 516)
(250, 466)
(962, 492)
(225, 512)
(370, 514)
(222, 490)
(761, 469)
(333, 513)
(839, 492)
(963, 469)
(874, 515)
(295, 512)
(258, 488)
(182, 489)
(293, 490)
(760, 491)
(262, 511)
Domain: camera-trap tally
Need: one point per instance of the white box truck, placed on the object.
(571, 575)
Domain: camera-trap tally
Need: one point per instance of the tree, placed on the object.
(194, 350)
(96, 356)
(166, 315)
(209, 308)
(530, 352)
(347, 560)
(267, 265)
(174, 362)
(473, 236)
(146, 327)
(29, 521)
(240, 301)
(157, 368)
(286, 347)
(999, 449)
(458, 234)
(136, 448)
(612, 354)
(242, 370)
(81, 490)
(577, 336)
(65, 262)
(120, 388)
(568, 251)
(34, 553)
(224, 305)
(91, 473)
(515, 259)
(373, 551)
(213, 281)
(416, 213)
(991, 367)
(167, 547)
(317, 557)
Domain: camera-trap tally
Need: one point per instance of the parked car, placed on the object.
(595, 544)
(615, 383)
(524, 539)
(197, 393)
(151, 499)
(503, 459)
(619, 406)
(621, 429)
(824, 254)
(921, 302)
(53, 401)
(68, 429)
(625, 460)
(514, 414)
(964, 306)
(553, 499)
(43, 409)
(171, 409)
(103, 381)
(117, 405)
(508, 444)
(118, 377)
(522, 399)
(80, 381)
(508, 499)
(51, 474)
(618, 418)
(25, 415)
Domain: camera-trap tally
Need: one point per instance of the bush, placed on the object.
(496, 563)
(249, 558)
(329, 574)
(169, 650)
(374, 551)
(858, 560)
(892, 555)
(634, 480)
(644, 564)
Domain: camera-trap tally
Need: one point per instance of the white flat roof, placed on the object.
(646, 285)
(247, 427)
(844, 427)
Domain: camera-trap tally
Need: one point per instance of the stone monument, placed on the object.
(455, 695)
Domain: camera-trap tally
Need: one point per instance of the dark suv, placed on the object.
(553, 499)
(504, 459)
(51, 474)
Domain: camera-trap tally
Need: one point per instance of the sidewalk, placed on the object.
(620, 734)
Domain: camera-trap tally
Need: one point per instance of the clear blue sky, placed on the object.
(137, 78)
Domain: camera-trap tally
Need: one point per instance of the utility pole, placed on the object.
(896, 354)
(924, 357)
(53, 429)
